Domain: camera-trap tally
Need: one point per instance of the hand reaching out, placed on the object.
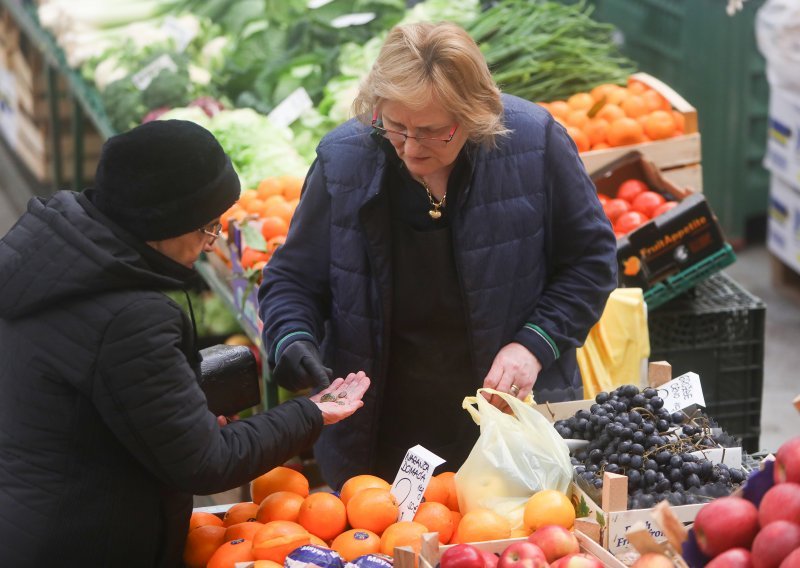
(342, 398)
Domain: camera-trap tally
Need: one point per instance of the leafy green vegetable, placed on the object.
(543, 51)
(123, 103)
(168, 89)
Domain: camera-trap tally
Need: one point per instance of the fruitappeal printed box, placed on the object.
(669, 243)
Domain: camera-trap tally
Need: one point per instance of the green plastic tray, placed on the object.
(686, 279)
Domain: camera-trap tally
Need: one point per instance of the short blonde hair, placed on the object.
(421, 62)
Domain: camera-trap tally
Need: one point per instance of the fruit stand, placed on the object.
(644, 459)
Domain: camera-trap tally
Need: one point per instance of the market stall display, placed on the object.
(268, 81)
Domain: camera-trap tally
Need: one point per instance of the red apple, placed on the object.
(489, 560)
(523, 554)
(652, 560)
(462, 556)
(781, 502)
(555, 541)
(727, 522)
(603, 198)
(787, 462)
(793, 560)
(630, 188)
(577, 560)
(732, 558)
(773, 544)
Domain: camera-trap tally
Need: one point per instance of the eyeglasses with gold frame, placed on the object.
(212, 230)
(397, 137)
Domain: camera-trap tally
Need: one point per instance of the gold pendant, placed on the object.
(435, 213)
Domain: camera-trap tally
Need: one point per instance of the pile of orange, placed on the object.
(361, 519)
(612, 115)
(270, 207)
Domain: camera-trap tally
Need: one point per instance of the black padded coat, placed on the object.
(105, 434)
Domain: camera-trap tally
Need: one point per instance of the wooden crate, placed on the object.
(678, 152)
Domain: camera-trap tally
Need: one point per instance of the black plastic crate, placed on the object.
(717, 331)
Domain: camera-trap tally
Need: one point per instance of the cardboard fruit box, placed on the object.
(406, 557)
(678, 157)
(609, 521)
(668, 245)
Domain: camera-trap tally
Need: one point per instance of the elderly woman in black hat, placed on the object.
(105, 434)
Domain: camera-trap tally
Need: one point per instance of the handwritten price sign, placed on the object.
(412, 479)
(681, 392)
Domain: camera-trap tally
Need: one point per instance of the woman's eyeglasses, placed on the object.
(397, 137)
(212, 230)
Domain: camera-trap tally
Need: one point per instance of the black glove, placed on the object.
(300, 366)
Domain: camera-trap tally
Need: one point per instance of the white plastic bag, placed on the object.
(515, 456)
(778, 37)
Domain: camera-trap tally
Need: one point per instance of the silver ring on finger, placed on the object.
(514, 390)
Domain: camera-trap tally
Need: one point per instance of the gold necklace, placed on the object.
(436, 212)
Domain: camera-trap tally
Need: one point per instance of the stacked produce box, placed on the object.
(33, 129)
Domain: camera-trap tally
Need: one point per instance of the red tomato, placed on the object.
(630, 188)
(603, 198)
(616, 207)
(462, 556)
(664, 207)
(627, 222)
(647, 202)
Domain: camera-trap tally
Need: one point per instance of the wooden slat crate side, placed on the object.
(670, 153)
(690, 176)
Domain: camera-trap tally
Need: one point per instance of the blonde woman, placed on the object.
(447, 238)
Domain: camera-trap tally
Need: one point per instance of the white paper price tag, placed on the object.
(143, 78)
(290, 108)
(732, 457)
(348, 20)
(681, 392)
(412, 479)
(181, 33)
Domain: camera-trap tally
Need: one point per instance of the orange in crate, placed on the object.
(292, 186)
(276, 539)
(201, 543)
(548, 507)
(482, 524)
(356, 542)
(240, 513)
(437, 517)
(268, 187)
(438, 490)
(201, 518)
(403, 533)
(231, 552)
(449, 477)
(279, 506)
(373, 509)
(281, 478)
(359, 482)
(323, 515)
(273, 227)
(246, 530)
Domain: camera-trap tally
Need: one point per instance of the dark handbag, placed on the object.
(230, 379)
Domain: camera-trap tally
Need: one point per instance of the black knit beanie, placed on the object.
(164, 179)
